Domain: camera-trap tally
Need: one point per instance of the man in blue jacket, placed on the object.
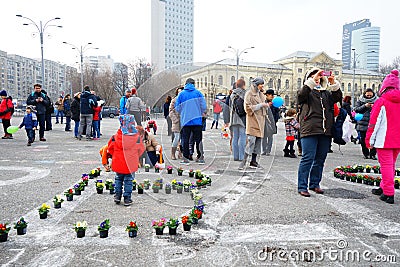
(191, 105)
(88, 101)
(122, 102)
(39, 100)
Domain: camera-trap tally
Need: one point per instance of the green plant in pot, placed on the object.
(4, 229)
(103, 228)
(57, 200)
(21, 226)
(172, 225)
(80, 228)
(132, 229)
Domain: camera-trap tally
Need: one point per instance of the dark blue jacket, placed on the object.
(40, 106)
(88, 101)
(29, 121)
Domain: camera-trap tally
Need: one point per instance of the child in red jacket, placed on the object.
(151, 124)
(96, 122)
(6, 111)
(126, 146)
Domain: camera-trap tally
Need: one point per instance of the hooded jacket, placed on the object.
(384, 122)
(235, 119)
(190, 104)
(39, 106)
(88, 101)
(362, 125)
(316, 106)
(5, 104)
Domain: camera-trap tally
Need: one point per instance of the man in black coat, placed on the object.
(88, 101)
(40, 102)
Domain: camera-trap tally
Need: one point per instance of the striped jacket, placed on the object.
(291, 126)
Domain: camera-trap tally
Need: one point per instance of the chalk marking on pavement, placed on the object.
(19, 254)
(59, 256)
(33, 174)
(97, 259)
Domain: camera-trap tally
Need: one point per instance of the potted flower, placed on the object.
(186, 185)
(132, 229)
(367, 168)
(179, 187)
(180, 171)
(80, 229)
(69, 194)
(187, 223)
(169, 169)
(92, 174)
(376, 169)
(44, 210)
(360, 168)
(398, 172)
(99, 188)
(396, 183)
(160, 181)
(157, 168)
(146, 167)
(4, 229)
(103, 228)
(353, 178)
(359, 178)
(172, 225)
(194, 192)
(174, 182)
(108, 183)
(198, 183)
(140, 188)
(82, 185)
(146, 184)
(111, 187)
(204, 182)
(378, 181)
(208, 180)
(21, 226)
(194, 215)
(57, 200)
(85, 179)
(156, 187)
(168, 188)
(197, 174)
(77, 190)
(191, 173)
(98, 171)
(134, 183)
(159, 226)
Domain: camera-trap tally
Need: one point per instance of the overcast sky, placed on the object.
(121, 28)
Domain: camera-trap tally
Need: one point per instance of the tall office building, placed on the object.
(171, 33)
(347, 40)
(366, 42)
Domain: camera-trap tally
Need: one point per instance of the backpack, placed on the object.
(238, 106)
(342, 128)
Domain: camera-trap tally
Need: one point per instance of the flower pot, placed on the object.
(348, 178)
(191, 174)
(173, 187)
(91, 176)
(367, 170)
(21, 231)
(159, 231)
(195, 220)
(3, 237)
(57, 205)
(43, 215)
(80, 233)
(103, 234)
(180, 173)
(396, 186)
(140, 191)
(179, 190)
(157, 170)
(146, 187)
(86, 182)
(99, 191)
(112, 191)
(161, 185)
(134, 187)
(167, 190)
(132, 233)
(77, 192)
(70, 198)
(186, 227)
(169, 171)
(378, 183)
(172, 231)
(376, 171)
(107, 187)
(156, 190)
(186, 188)
(146, 169)
(398, 173)
(359, 180)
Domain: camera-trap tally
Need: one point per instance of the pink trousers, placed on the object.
(387, 158)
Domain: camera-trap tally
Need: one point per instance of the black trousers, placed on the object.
(186, 131)
(42, 121)
(366, 152)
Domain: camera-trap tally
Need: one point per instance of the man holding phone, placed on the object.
(40, 102)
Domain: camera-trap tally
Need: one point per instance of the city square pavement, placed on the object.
(252, 218)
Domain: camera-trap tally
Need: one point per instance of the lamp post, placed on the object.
(237, 53)
(41, 27)
(355, 57)
(81, 50)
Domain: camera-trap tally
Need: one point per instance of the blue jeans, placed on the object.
(31, 135)
(315, 150)
(96, 127)
(177, 137)
(68, 123)
(61, 114)
(126, 181)
(238, 141)
(76, 129)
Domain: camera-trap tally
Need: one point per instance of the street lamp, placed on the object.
(81, 50)
(237, 53)
(41, 27)
(354, 71)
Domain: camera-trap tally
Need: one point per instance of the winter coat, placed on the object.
(41, 106)
(122, 105)
(191, 105)
(255, 113)
(347, 107)
(59, 104)
(291, 126)
(270, 124)
(76, 109)
(125, 151)
(88, 101)
(362, 125)
(29, 121)
(384, 122)
(226, 111)
(166, 109)
(134, 104)
(96, 113)
(151, 143)
(316, 107)
(5, 104)
(175, 117)
(67, 107)
(217, 106)
(234, 118)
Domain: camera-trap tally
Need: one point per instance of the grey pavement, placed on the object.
(252, 218)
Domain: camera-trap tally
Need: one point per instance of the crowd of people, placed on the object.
(249, 113)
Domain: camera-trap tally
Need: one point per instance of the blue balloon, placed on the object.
(358, 116)
(277, 101)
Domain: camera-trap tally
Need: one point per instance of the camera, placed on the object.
(327, 73)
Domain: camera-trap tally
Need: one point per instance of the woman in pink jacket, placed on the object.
(383, 134)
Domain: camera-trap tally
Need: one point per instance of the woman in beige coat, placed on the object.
(176, 126)
(255, 106)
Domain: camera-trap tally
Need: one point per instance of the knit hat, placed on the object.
(133, 91)
(128, 124)
(391, 80)
(190, 80)
(258, 81)
(32, 108)
(3, 93)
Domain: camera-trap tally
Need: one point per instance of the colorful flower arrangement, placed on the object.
(159, 224)
(80, 226)
(44, 208)
(21, 223)
(173, 223)
(57, 200)
(69, 192)
(4, 229)
(186, 220)
(132, 226)
(104, 226)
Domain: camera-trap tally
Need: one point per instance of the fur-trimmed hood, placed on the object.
(324, 85)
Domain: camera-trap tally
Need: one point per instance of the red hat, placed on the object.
(133, 90)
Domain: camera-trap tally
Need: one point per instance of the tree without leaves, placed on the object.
(386, 68)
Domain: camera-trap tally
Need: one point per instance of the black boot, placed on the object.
(286, 153)
(387, 199)
(291, 154)
(212, 125)
(127, 201)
